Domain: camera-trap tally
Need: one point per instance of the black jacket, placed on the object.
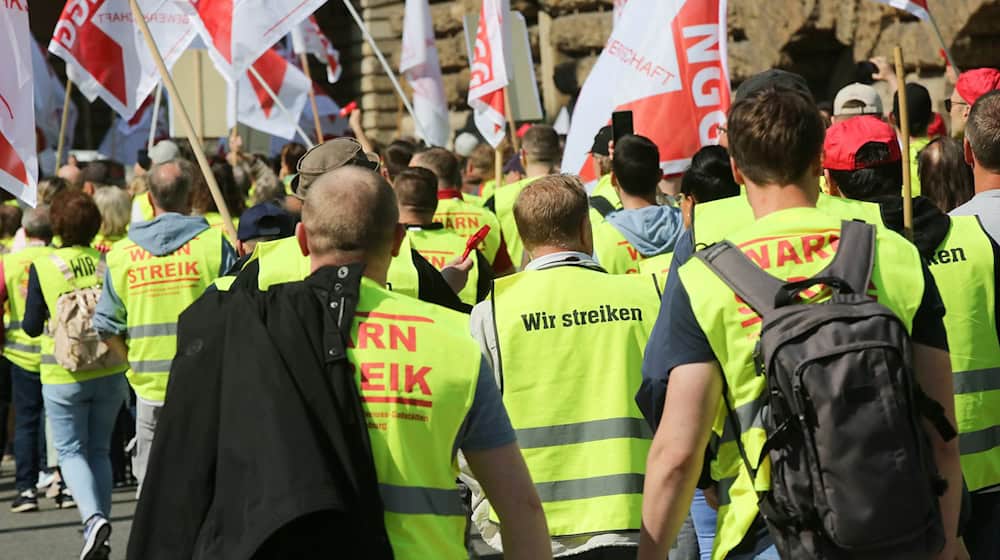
(262, 449)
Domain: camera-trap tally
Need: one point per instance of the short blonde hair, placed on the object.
(115, 206)
(551, 210)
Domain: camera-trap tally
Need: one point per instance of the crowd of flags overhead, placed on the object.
(674, 69)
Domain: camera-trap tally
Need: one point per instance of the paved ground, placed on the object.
(53, 534)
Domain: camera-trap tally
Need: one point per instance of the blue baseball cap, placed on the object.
(265, 220)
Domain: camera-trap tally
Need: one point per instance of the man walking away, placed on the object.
(982, 152)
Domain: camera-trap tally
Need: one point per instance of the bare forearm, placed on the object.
(951, 502)
(672, 485)
(525, 535)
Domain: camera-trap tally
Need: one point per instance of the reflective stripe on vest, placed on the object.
(280, 261)
(22, 350)
(155, 290)
(964, 270)
(83, 262)
(439, 247)
(465, 219)
(416, 372)
(504, 199)
(714, 221)
(790, 243)
(560, 331)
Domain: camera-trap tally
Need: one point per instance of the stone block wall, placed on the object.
(820, 39)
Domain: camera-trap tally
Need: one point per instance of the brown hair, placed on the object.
(290, 155)
(202, 201)
(443, 163)
(416, 188)
(75, 218)
(550, 211)
(775, 136)
(541, 145)
(945, 178)
(983, 131)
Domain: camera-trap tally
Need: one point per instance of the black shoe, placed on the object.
(96, 532)
(26, 501)
(64, 499)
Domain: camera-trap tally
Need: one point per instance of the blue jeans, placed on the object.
(704, 518)
(82, 416)
(29, 426)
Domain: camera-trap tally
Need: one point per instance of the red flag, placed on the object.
(916, 7)
(308, 38)
(18, 159)
(258, 109)
(106, 55)
(238, 32)
(489, 74)
(666, 62)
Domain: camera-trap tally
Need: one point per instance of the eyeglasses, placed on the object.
(948, 104)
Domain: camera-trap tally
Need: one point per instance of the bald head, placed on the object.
(72, 174)
(170, 186)
(350, 210)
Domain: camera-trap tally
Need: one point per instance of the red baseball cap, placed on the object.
(976, 83)
(845, 138)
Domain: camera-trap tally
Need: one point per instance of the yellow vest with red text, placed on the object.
(615, 253)
(439, 247)
(22, 350)
(790, 244)
(417, 370)
(465, 219)
(155, 290)
(504, 200)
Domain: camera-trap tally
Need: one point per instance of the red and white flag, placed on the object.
(18, 156)
(125, 138)
(330, 121)
(106, 55)
(419, 63)
(916, 7)
(308, 38)
(49, 95)
(255, 106)
(489, 72)
(665, 62)
(238, 32)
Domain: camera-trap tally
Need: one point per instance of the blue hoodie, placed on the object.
(160, 236)
(652, 230)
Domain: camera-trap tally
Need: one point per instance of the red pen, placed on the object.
(474, 241)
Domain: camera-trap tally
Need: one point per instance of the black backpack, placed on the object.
(852, 471)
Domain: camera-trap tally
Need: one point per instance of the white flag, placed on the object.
(257, 108)
(916, 7)
(18, 156)
(419, 63)
(239, 32)
(489, 72)
(49, 96)
(106, 55)
(308, 38)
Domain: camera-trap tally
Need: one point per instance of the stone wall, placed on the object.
(820, 39)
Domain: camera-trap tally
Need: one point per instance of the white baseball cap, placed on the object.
(860, 93)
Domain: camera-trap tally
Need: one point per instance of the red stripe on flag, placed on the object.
(11, 162)
(97, 52)
(272, 67)
(217, 16)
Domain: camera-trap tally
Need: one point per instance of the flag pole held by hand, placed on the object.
(904, 130)
(62, 125)
(304, 59)
(199, 149)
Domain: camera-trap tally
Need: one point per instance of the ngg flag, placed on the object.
(665, 62)
(18, 160)
(916, 7)
(106, 55)
(488, 76)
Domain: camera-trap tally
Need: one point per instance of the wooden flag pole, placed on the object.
(497, 168)
(199, 149)
(281, 105)
(199, 103)
(304, 58)
(904, 130)
(514, 140)
(60, 144)
(156, 115)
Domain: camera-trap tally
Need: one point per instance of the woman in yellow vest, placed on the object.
(114, 204)
(81, 406)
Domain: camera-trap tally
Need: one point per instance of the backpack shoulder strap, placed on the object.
(754, 286)
(602, 205)
(63, 267)
(855, 257)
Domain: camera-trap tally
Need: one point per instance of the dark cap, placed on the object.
(265, 220)
(919, 107)
(601, 140)
(772, 78)
(328, 156)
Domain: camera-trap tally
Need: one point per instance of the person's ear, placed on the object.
(831, 185)
(303, 238)
(970, 157)
(397, 239)
(737, 174)
(816, 169)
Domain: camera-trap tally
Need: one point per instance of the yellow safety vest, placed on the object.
(103, 242)
(714, 221)
(22, 350)
(604, 188)
(487, 191)
(215, 221)
(916, 145)
(83, 267)
(279, 261)
(473, 198)
(504, 200)
(155, 290)
(963, 267)
(614, 252)
(571, 343)
(658, 267)
(402, 277)
(145, 207)
(439, 247)
(417, 375)
(787, 244)
(465, 219)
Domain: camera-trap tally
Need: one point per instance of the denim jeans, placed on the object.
(29, 426)
(146, 417)
(704, 518)
(82, 417)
